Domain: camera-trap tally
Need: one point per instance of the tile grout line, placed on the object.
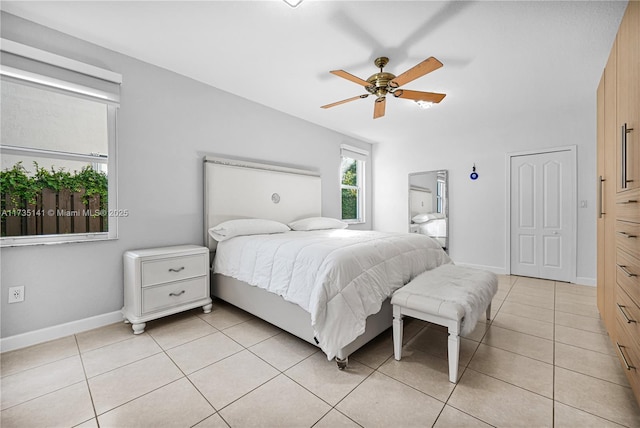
(162, 350)
(86, 381)
(488, 323)
(515, 353)
(374, 369)
(185, 376)
(553, 373)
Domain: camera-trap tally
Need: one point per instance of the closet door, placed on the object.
(628, 99)
(606, 191)
(543, 215)
(601, 179)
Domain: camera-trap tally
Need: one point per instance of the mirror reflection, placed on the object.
(428, 205)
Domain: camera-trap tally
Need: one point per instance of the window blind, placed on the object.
(36, 67)
(353, 152)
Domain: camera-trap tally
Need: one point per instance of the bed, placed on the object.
(333, 303)
(433, 225)
(423, 219)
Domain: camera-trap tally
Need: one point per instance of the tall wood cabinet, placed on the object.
(606, 154)
(618, 121)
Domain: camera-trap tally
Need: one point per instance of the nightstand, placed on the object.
(163, 281)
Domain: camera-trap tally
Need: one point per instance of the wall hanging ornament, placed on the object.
(474, 174)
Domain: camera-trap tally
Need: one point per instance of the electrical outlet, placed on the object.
(16, 294)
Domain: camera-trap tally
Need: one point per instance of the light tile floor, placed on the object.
(543, 360)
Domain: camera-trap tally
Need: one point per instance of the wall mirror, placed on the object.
(429, 205)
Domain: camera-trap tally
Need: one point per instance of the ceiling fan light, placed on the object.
(293, 3)
(424, 104)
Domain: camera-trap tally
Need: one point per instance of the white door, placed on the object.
(543, 215)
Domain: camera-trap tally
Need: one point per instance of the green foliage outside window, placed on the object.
(24, 188)
(52, 201)
(48, 202)
(350, 196)
(349, 204)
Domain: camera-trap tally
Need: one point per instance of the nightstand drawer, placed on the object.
(173, 269)
(175, 293)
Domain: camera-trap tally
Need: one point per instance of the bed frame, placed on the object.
(242, 189)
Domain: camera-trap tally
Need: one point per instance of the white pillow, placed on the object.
(423, 218)
(420, 218)
(246, 226)
(317, 223)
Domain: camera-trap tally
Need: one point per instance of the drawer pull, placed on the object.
(627, 235)
(176, 270)
(626, 271)
(177, 294)
(621, 308)
(624, 158)
(629, 201)
(626, 363)
(600, 197)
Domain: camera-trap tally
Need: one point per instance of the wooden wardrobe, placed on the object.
(618, 164)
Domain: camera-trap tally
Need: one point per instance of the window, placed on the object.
(58, 141)
(441, 191)
(352, 175)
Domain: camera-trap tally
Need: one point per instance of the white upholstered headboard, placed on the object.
(238, 189)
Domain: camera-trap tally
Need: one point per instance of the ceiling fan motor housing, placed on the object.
(380, 83)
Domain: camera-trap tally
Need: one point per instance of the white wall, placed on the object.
(166, 124)
(477, 209)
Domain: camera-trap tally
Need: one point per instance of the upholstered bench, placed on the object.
(449, 295)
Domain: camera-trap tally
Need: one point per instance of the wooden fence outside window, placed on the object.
(62, 212)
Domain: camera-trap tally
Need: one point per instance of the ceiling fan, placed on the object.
(381, 84)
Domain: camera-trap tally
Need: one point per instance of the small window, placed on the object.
(352, 175)
(441, 191)
(57, 176)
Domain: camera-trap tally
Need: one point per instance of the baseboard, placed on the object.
(502, 271)
(496, 270)
(586, 281)
(57, 331)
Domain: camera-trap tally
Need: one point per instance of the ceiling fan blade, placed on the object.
(419, 95)
(427, 66)
(344, 101)
(379, 106)
(349, 76)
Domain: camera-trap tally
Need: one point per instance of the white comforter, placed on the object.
(339, 276)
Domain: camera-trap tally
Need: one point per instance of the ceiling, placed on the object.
(500, 58)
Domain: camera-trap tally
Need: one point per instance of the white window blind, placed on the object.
(353, 153)
(34, 66)
(58, 115)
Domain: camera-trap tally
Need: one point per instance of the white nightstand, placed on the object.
(162, 281)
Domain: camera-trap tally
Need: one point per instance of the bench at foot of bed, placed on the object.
(449, 295)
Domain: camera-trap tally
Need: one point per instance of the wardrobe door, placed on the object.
(607, 175)
(628, 99)
(601, 174)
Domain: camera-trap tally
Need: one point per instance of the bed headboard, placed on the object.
(238, 189)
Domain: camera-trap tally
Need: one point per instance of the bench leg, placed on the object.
(397, 332)
(454, 355)
(489, 311)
